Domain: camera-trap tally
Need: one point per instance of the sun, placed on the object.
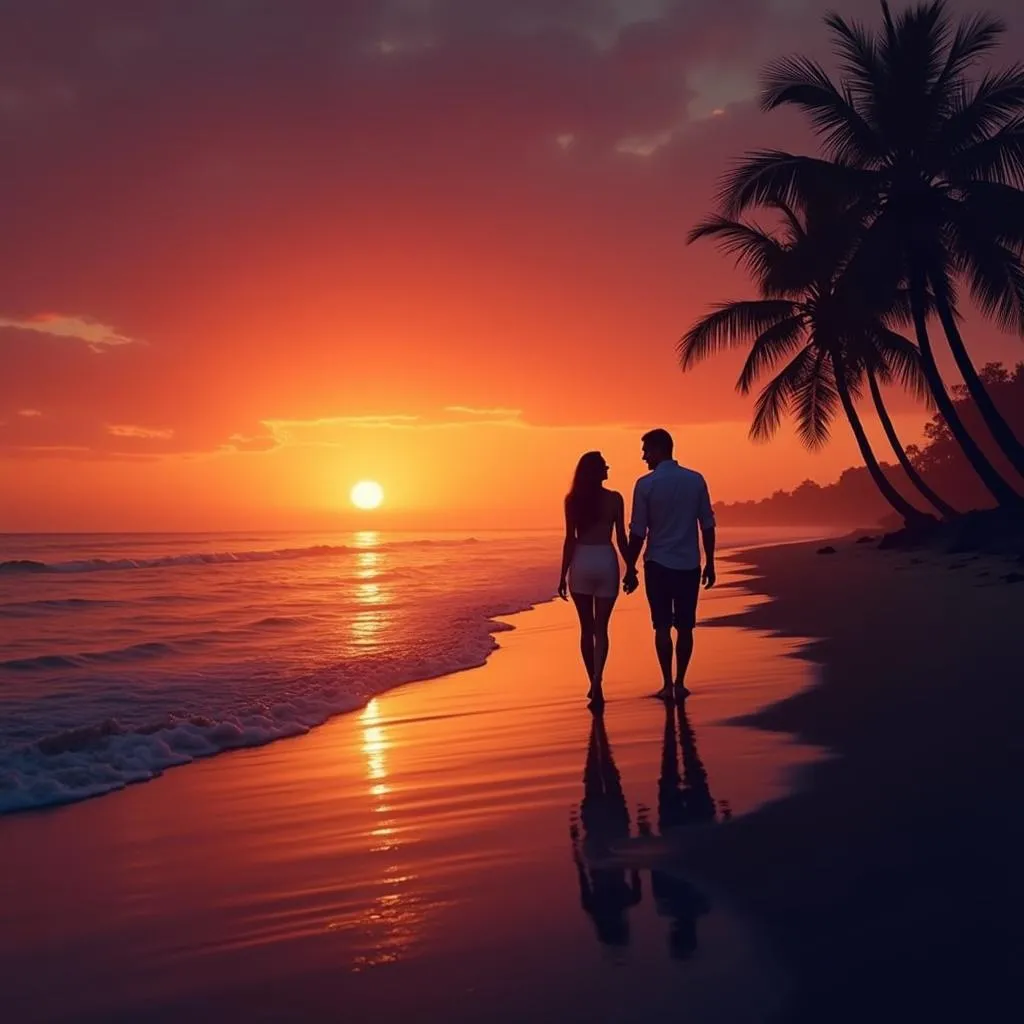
(367, 494)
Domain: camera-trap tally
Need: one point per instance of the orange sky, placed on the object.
(255, 252)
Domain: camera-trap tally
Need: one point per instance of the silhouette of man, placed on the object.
(669, 503)
(681, 802)
(605, 892)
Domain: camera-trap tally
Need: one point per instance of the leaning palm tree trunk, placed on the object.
(945, 510)
(1008, 442)
(882, 482)
(999, 488)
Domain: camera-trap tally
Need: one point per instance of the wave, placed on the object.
(28, 565)
(54, 606)
(86, 760)
(92, 760)
(47, 662)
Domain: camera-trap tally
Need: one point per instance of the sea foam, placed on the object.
(258, 661)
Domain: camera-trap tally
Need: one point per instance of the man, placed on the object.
(668, 505)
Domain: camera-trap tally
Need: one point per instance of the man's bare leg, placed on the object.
(663, 647)
(684, 652)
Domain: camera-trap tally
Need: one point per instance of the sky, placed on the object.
(255, 251)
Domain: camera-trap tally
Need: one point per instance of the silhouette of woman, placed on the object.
(681, 802)
(605, 892)
(590, 570)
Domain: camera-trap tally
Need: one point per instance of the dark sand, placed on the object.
(892, 883)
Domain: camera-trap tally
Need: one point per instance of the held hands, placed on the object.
(708, 577)
(630, 581)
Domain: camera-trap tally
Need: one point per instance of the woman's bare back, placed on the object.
(600, 531)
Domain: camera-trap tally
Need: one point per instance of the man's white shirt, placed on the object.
(668, 505)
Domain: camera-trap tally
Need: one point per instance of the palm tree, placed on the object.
(813, 312)
(939, 504)
(937, 162)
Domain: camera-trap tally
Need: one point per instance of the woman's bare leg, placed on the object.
(585, 609)
(602, 613)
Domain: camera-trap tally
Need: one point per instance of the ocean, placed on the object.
(123, 655)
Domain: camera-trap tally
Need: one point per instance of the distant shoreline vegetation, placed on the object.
(854, 498)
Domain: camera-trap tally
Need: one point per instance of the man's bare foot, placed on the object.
(665, 693)
(595, 698)
(682, 692)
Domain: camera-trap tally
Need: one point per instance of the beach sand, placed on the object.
(416, 858)
(893, 878)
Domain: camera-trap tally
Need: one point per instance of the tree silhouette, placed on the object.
(935, 161)
(828, 328)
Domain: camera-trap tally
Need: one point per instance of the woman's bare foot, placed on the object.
(681, 692)
(665, 693)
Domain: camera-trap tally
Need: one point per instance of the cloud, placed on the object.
(142, 433)
(299, 431)
(30, 413)
(244, 443)
(496, 413)
(97, 336)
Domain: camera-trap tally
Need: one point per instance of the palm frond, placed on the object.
(915, 51)
(899, 359)
(995, 276)
(998, 158)
(878, 262)
(797, 230)
(772, 176)
(974, 37)
(858, 53)
(992, 210)
(975, 114)
(751, 246)
(730, 324)
(815, 400)
(912, 54)
(770, 348)
(900, 309)
(776, 396)
(945, 280)
(803, 83)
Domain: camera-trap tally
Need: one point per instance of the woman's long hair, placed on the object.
(583, 502)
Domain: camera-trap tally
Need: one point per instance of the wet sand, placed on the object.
(891, 883)
(453, 852)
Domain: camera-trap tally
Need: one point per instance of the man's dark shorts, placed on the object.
(672, 595)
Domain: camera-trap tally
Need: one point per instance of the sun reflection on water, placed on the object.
(368, 564)
(371, 597)
(375, 748)
(390, 925)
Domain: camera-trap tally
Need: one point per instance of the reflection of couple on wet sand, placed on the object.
(609, 887)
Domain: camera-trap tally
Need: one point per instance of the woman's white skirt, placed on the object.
(594, 571)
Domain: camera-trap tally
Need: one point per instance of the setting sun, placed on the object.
(367, 494)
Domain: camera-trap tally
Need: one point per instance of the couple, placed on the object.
(669, 503)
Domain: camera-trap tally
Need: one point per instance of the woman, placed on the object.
(590, 570)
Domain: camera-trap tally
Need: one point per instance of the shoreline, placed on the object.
(420, 855)
(889, 878)
(416, 855)
(147, 748)
(495, 625)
